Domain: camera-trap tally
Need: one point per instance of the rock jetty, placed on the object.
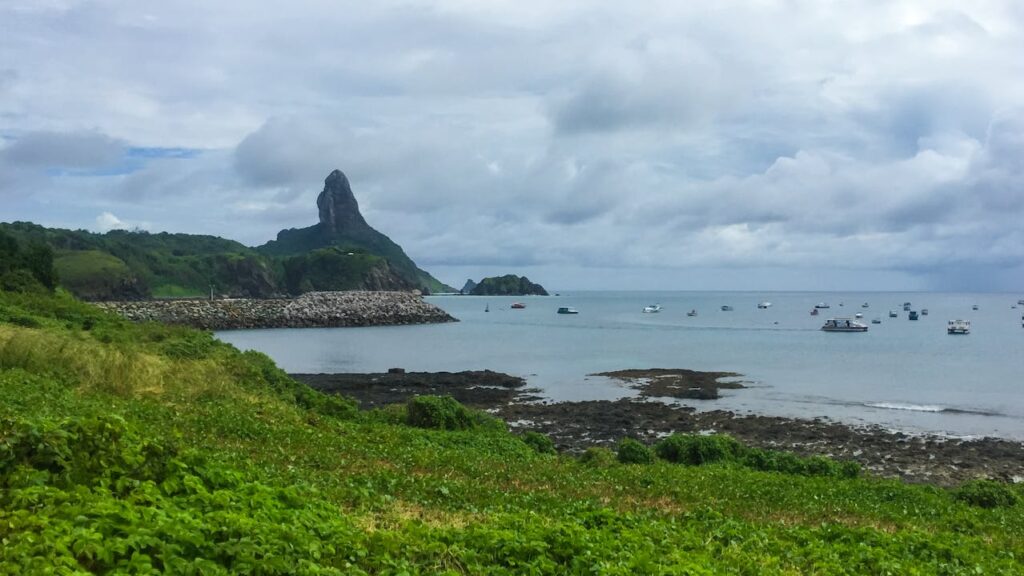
(311, 310)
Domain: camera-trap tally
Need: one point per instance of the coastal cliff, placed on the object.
(312, 310)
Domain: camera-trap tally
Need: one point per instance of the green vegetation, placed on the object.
(698, 450)
(539, 442)
(95, 274)
(338, 268)
(131, 449)
(631, 451)
(25, 267)
(123, 265)
(507, 285)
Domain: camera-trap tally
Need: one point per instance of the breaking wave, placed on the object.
(926, 408)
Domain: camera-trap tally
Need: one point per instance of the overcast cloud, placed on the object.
(747, 145)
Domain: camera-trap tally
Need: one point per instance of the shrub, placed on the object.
(986, 494)
(849, 469)
(632, 452)
(821, 466)
(257, 368)
(695, 449)
(441, 412)
(20, 280)
(539, 442)
(192, 345)
(597, 457)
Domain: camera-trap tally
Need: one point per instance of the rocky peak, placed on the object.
(339, 210)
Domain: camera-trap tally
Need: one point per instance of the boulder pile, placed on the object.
(311, 310)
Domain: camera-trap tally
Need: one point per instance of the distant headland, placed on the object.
(340, 252)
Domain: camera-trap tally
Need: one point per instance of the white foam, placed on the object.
(903, 406)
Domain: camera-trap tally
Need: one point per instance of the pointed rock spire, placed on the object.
(339, 210)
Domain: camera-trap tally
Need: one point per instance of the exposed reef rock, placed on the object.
(312, 310)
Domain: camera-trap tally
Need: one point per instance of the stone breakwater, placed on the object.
(312, 310)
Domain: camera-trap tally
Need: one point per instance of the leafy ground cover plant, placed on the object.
(122, 451)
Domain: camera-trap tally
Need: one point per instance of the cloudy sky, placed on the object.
(805, 144)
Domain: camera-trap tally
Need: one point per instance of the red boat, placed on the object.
(518, 305)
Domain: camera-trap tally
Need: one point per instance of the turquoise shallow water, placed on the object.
(900, 374)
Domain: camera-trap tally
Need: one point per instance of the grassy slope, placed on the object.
(269, 475)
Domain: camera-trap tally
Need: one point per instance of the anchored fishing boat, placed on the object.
(843, 325)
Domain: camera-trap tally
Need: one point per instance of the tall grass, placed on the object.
(122, 369)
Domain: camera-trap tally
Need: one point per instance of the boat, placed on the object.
(892, 314)
(652, 308)
(765, 304)
(822, 305)
(814, 311)
(518, 305)
(1020, 302)
(975, 307)
(726, 308)
(568, 310)
(858, 315)
(924, 311)
(864, 305)
(843, 325)
(958, 327)
(876, 320)
(906, 306)
(487, 308)
(912, 315)
(692, 313)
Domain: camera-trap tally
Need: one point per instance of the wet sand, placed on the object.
(574, 426)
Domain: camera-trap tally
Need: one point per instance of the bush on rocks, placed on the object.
(539, 442)
(597, 457)
(986, 494)
(446, 413)
(695, 450)
(633, 452)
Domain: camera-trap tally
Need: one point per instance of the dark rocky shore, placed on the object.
(311, 310)
(574, 426)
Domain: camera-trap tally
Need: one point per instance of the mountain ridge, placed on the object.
(340, 252)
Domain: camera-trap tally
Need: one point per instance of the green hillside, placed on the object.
(137, 264)
(145, 448)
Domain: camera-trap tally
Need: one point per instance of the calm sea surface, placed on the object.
(901, 374)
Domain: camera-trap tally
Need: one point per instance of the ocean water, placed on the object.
(901, 374)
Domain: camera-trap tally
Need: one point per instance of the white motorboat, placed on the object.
(892, 314)
(652, 308)
(822, 305)
(765, 304)
(567, 310)
(924, 311)
(843, 325)
(726, 308)
(975, 307)
(858, 315)
(692, 312)
(876, 320)
(864, 305)
(958, 327)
